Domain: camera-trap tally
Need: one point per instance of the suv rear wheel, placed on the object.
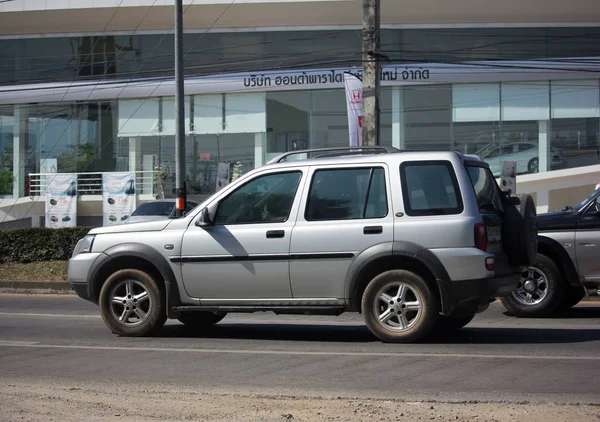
(539, 292)
(132, 304)
(399, 307)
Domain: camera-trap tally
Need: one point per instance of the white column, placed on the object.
(260, 142)
(20, 129)
(135, 153)
(542, 201)
(398, 118)
(543, 145)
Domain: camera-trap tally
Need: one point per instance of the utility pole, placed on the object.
(179, 112)
(371, 72)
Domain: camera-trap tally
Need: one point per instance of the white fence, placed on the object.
(91, 183)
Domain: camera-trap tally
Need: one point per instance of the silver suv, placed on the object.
(415, 241)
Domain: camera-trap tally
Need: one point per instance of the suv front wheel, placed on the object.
(399, 307)
(132, 304)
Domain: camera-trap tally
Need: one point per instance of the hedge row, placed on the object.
(39, 244)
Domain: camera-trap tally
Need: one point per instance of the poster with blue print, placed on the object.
(61, 200)
(118, 197)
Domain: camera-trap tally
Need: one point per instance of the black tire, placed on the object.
(447, 324)
(417, 323)
(200, 319)
(533, 166)
(554, 289)
(573, 295)
(128, 285)
(519, 232)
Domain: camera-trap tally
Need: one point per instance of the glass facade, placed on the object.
(141, 56)
(543, 125)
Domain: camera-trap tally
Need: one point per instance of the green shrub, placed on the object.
(39, 244)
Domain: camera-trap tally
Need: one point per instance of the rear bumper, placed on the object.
(472, 296)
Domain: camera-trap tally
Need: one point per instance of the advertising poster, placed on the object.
(508, 178)
(355, 108)
(118, 197)
(222, 176)
(61, 200)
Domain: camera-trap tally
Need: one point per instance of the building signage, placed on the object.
(118, 197)
(324, 78)
(61, 200)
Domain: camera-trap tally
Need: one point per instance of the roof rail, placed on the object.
(330, 152)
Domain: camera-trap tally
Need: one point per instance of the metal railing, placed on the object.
(91, 183)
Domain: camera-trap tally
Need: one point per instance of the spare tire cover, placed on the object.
(512, 226)
(528, 234)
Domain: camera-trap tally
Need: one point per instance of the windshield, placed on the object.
(154, 208)
(586, 200)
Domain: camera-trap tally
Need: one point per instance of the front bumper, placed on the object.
(79, 274)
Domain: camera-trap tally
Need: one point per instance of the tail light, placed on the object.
(481, 237)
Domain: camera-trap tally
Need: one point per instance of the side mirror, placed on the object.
(204, 219)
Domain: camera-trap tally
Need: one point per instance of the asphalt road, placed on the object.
(495, 358)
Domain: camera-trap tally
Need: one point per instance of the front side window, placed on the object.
(265, 199)
(347, 194)
(430, 188)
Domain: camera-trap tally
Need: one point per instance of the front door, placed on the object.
(587, 243)
(245, 254)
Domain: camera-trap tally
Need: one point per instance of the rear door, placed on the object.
(346, 210)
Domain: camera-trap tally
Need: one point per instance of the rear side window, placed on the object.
(487, 191)
(430, 188)
(347, 194)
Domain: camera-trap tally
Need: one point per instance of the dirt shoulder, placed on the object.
(76, 401)
(34, 271)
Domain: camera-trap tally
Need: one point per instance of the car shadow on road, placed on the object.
(360, 334)
(580, 312)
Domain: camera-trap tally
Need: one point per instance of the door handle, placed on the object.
(273, 234)
(373, 230)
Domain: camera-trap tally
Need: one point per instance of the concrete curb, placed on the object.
(35, 287)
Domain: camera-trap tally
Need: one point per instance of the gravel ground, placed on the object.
(35, 400)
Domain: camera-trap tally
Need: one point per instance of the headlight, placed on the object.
(84, 245)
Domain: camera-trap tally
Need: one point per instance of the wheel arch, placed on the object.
(135, 256)
(394, 256)
(555, 251)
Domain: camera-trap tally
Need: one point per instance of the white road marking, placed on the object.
(24, 344)
(26, 314)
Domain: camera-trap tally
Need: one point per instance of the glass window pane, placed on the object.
(266, 199)
(377, 200)
(428, 117)
(340, 194)
(575, 99)
(430, 188)
(525, 101)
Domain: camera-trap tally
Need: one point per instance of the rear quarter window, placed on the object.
(430, 188)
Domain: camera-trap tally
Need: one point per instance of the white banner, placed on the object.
(118, 197)
(61, 200)
(355, 106)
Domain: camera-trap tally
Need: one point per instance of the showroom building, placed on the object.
(89, 90)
